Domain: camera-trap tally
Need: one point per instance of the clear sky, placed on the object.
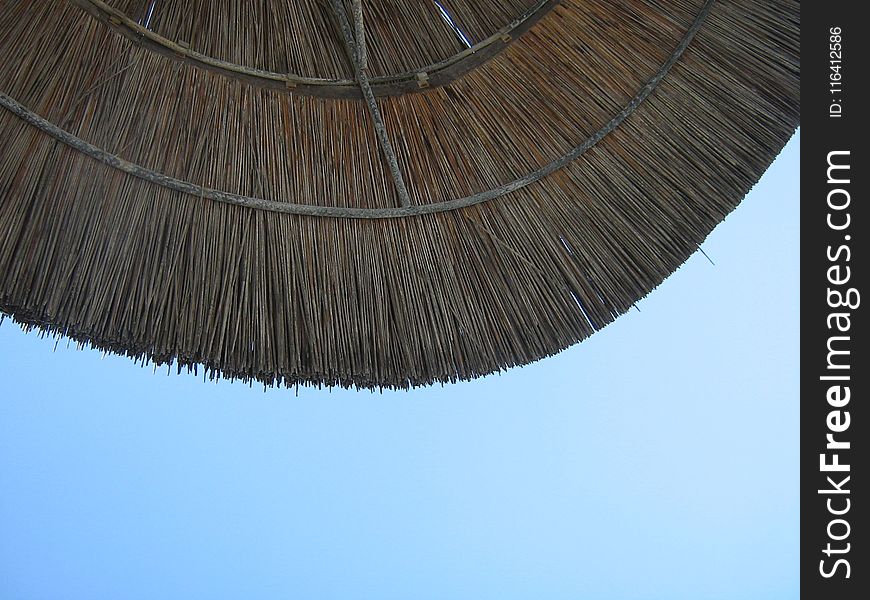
(656, 460)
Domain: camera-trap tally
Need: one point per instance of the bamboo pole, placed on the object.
(356, 52)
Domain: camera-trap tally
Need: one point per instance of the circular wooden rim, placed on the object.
(178, 185)
(432, 75)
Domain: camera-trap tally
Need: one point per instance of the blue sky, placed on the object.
(656, 460)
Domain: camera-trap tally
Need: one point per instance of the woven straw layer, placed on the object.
(128, 266)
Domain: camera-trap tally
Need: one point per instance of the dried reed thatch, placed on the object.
(378, 194)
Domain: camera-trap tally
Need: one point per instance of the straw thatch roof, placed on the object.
(376, 193)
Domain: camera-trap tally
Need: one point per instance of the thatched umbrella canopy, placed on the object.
(385, 193)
